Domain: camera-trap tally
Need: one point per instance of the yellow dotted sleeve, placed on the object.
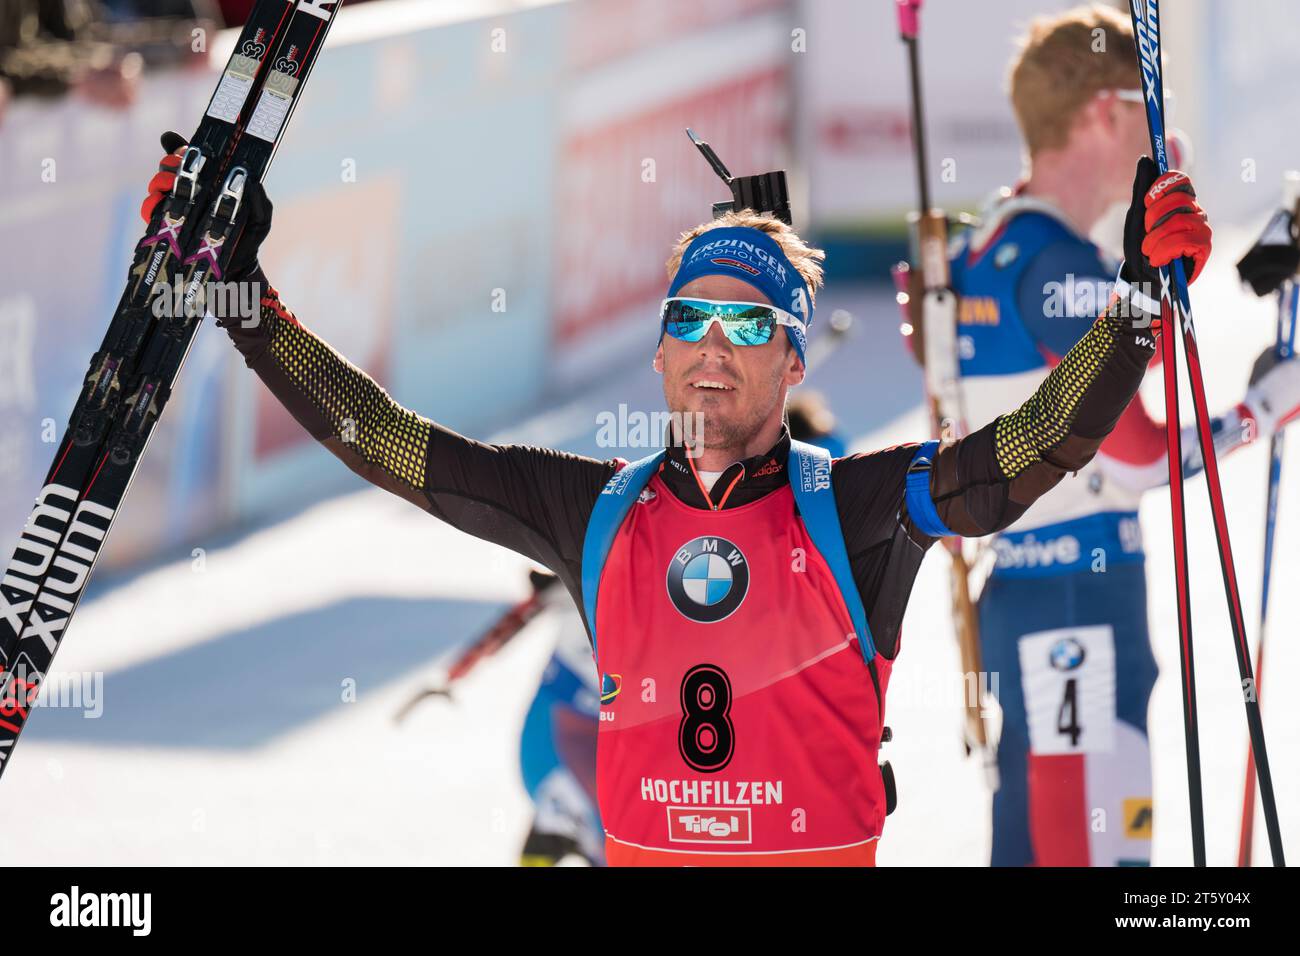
(357, 411)
(1024, 436)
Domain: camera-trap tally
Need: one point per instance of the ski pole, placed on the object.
(1288, 303)
(504, 630)
(937, 352)
(1176, 315)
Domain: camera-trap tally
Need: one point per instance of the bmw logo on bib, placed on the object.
(1066, 654)
(708, 579)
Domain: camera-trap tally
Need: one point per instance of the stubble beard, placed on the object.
(716, 431)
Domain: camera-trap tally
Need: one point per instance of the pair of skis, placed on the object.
(935, 346)
(1176, 316)
(188, 243)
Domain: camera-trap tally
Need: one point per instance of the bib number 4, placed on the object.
(1068, 677)
(1067, 718)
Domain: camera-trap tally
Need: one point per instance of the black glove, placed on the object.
(172, 141)
(256, 211)
(253, 221)
(1274, 257)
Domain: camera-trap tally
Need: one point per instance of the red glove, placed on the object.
(1164, 222)
(163, 180)
(1176, 224)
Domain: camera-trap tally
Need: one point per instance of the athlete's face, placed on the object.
(737, 390)
(1119, 135)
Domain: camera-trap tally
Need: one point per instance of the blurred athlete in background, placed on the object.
(1063, 616)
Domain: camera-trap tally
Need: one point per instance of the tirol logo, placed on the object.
(708, 578)
(709, 825)
(1066, 654)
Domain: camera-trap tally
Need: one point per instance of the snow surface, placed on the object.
(249, 691)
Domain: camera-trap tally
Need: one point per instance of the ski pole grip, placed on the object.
(908, 20)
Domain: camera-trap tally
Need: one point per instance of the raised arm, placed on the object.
(987, 480)
(984, 482)
(528, 499)
(532, 500)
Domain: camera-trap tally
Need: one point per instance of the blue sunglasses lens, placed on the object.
(742, 323)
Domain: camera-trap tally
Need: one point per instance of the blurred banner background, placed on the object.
(430, 174)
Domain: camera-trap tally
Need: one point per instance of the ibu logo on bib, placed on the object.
(708, 579)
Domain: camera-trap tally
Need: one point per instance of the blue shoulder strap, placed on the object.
(920, 505)
(810, 477)
(809, 470)
(612, 505)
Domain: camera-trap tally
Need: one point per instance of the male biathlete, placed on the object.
(743, 600)
(1063, 616)
(557, 747)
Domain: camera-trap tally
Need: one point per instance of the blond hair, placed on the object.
(1063, 62)
(806, 260)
